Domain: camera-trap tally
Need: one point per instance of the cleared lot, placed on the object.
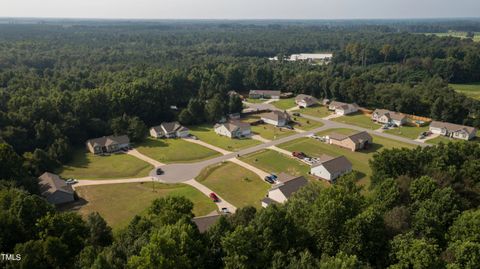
(208, 135)
(85, 165)
(359, 119)
(285, 103)
(316, 111)
(236, 184)
(175, 151)
(119, 203)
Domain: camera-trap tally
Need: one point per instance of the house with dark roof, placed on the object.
(330, 168)
(54, 189)
(108, 144)
(303, 100)
(233, 129)
(352, 142)
(453, 130)
(205, 222)
(387, 116)
(277, 118)
(264, 94)
(341, 108)
(169, 130)
(283, 190)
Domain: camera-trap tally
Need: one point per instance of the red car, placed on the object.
(214, 197)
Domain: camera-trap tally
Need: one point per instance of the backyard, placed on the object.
(238, 185)
(85, 165)
(119, 203)
(471, 90)
(208, 135)
(175, 150)
(285, 103)
(358, 119)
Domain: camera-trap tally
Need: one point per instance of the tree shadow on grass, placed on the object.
(373, 147)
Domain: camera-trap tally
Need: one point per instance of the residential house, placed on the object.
(342, 108)
(387, 116)
(264, 94)
(233, 129)
(169, 130)
(330, 168)
(303, 100)
(286, 187)
(453, 130)
(108, 144)
(352, 142)
(54, 189)
(277, 118)
(205, 222)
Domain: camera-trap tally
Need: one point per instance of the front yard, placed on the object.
(175, 151)
(271, 132)
(208, 135)
(359, 119)
(236, 184)
(407, 131)
(305, 124)
(285, 103)
(316, 111)
(85, 165)
(119, 203)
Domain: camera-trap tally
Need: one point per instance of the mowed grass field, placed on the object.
(272, 161)
(85, 165)
(236, 184)
(175, 150)
(316, 111)
(208, 135)
(358, 159)
(305, 124)
(285, 103)
(358, 119)
(458, 34)
(119, 203)
(271, 132)
(471, 90)
(410, 132)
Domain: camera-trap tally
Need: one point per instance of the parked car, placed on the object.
(269, 179)
(299, 155)
(296, 114)
(289, 127)
(214, 197)
(225, 210)
(71, 181)
(159, 171)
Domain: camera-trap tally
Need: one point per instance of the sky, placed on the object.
(241, 9)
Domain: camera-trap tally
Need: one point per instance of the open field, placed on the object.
(274, 162)
(359, 159)
(358, 119)
(316, 111)
(119, 203)
(271, 132)
(471, 90)
(208, 135)
(85, 165)
(407, 131)
(285, 103)
(305, 124)
(175, 151)
(458, 34)
(237, 185)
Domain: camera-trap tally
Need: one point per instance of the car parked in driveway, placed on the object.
(71, 181)
(214, 197)
(159, 171)
(269, 179)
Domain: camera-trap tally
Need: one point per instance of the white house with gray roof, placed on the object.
(453, 130)
(108, 144)
(54, 189)
(341, 108)
(303, 100)
(169, 130)
(286, 187)
(330, 168)
(233, 129)
(387, 116)
(277, 118)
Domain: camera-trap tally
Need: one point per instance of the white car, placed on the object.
(71, 181)
(225, 210)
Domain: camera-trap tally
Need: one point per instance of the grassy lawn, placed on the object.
(458, 34)
(85, 165)
(285, 103)
(175, 151)
(305, 124)
(358, 119)
(119, 203)
(237, 185)
(274, 162)
(359, 159)
(255, 101)
(316, 111)
(208, 135)
(471, 90)
(271, 132)
(407, 131)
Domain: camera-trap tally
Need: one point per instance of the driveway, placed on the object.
(221, 204)
(262, 174)
(212, 147)
(142, 157)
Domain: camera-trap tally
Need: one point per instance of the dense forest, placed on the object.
(62, 83)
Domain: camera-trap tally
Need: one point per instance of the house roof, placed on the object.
(356, 138)
(290, 186)
(391, 114)
(334, 164)
(109, 140)
(174, 126)
(453, 127)
(306, 98)
(50, 183)
(276, 115)
(341, 105)
(205, 222)
(234, 125)
(267, 92)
